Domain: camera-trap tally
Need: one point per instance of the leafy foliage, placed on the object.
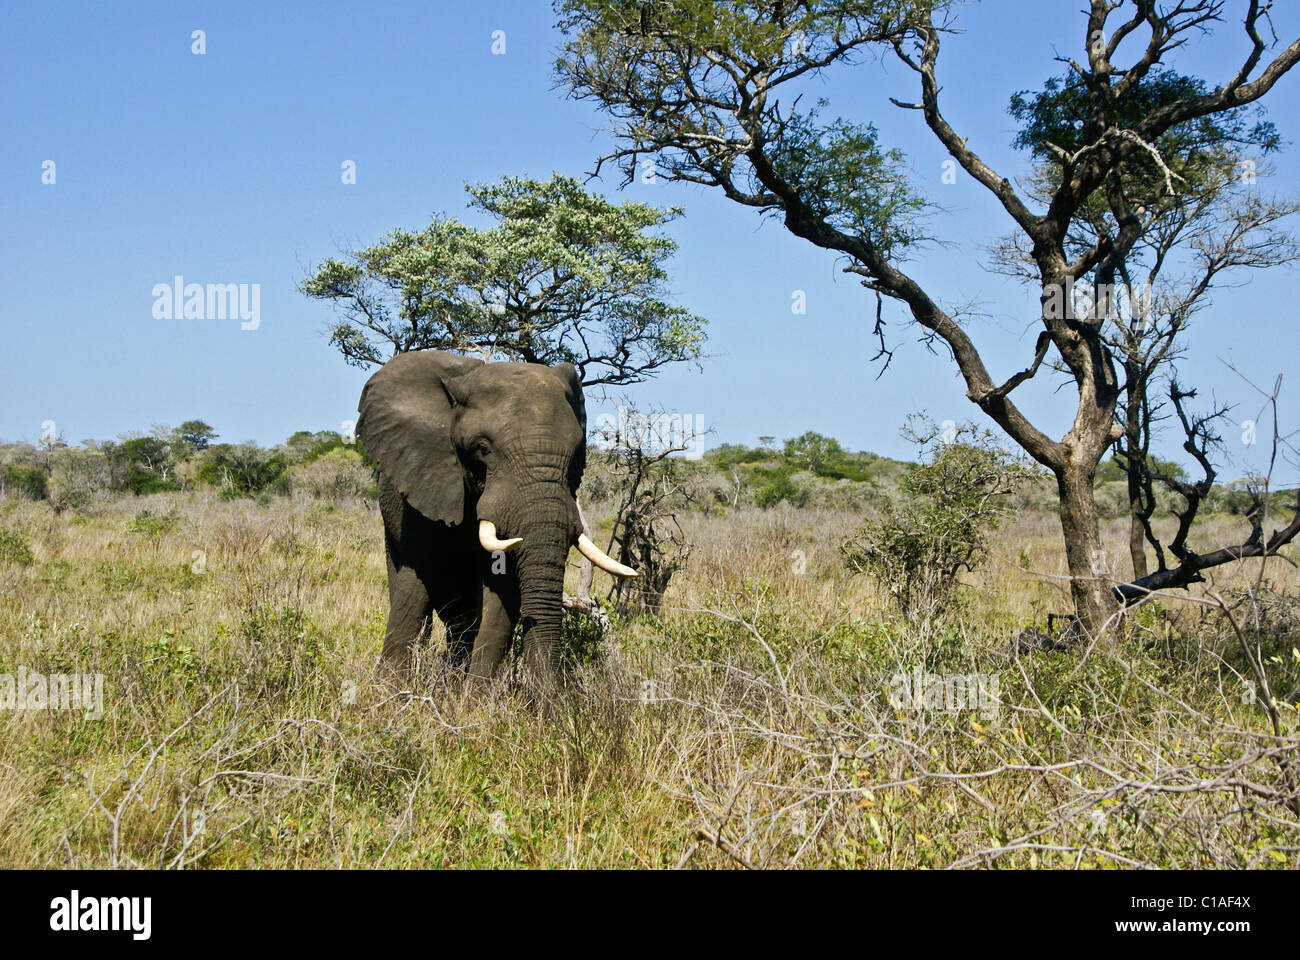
(243, 469)
(191, 437)
(339, 473)
(917, 547)
(562, 275)
(770, 473)
(14, 549)
(669, 73)
(153, 526)
(25, 481)
(778, 488)
(1063, 114)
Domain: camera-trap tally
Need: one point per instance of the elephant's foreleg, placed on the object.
(497, 625)
(409, 615)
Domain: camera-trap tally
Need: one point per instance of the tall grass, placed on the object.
(747, 725)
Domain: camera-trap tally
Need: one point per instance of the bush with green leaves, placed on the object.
(824, 457)
(143, 464)
(918, 545)
(153, 526)
(22, 480)
(778, 487)
(14, 549)
(243, 469)
(191, 438)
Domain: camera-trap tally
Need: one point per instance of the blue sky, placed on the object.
(225, 168)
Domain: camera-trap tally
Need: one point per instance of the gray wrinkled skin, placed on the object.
(458, 441)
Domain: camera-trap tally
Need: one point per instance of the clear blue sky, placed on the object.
(226, 168)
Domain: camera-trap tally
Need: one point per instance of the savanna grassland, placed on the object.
(748, 722)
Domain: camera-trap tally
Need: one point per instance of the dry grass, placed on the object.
(243, 723)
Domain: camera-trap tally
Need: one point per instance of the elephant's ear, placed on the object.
(568, 375)
(405, 425)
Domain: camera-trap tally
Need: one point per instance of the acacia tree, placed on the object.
(1217, 221)
(561, 275)
(710, 90)
(192, 437)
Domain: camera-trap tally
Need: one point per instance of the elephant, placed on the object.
(479, 466)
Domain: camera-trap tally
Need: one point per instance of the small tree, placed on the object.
(648, 493)
(336, 474)
(141, 464)
(812, 451)
(562, 275)
(191, 437)
(77, 475)
(917, 546)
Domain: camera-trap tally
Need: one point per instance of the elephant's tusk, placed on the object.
(602, 559)
(487, 536)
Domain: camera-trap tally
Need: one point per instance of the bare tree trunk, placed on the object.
(1137, 541)
(1133, 446)
(1090, 573)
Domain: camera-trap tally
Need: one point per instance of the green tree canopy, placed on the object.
(193, 436)
(812, 451)
(561, 275)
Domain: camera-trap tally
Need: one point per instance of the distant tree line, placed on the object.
(323, 463)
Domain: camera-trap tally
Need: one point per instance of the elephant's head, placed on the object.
(496, 447)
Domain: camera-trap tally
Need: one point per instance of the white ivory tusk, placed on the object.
(603, 560)
(487, 536)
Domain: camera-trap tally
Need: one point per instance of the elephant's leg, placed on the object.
(500, 612)
(409, 615)
(462, 620)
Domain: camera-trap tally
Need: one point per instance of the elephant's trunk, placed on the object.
(547, 534)
(537, 507)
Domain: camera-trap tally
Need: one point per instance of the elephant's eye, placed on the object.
(483, 448)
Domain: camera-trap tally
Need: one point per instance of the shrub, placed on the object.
(14, 549)
(77, 476)
(152, 525)
(243, 469)
(142, 464)
(141, 482)
(337, 474)
(950, 504)
(27, 482)
(779, 486)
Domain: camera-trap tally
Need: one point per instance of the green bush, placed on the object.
(779, 487)
(337, 474)
(731, 454)
(243, 469)
(141, 482)
(916, 548)
(143, 464)
(28, 482)
(14, 549)
(151, 525)
(824, 457)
